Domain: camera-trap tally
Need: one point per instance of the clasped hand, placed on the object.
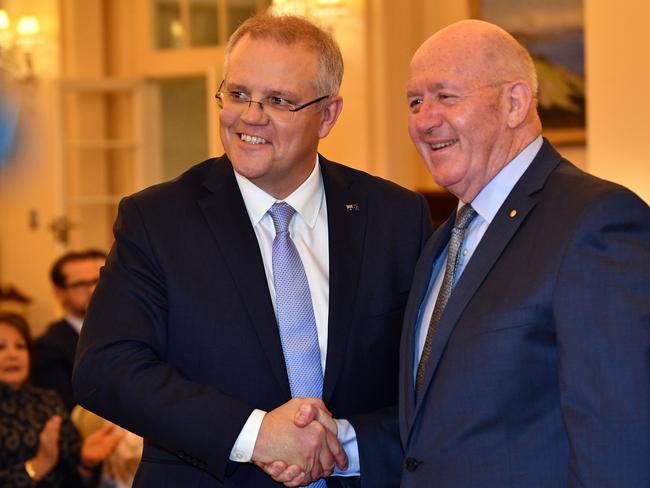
(297, 443)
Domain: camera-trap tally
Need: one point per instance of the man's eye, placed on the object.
(238, 96)
(414, 104)
(279, 102)
(447, 98)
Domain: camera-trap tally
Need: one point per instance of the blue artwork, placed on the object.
(552, 30)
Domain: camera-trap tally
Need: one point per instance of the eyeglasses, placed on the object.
(238, 102)
(78, 285)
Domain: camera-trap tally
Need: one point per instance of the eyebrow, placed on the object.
(234, 86)
(267, 93)
(437, 86)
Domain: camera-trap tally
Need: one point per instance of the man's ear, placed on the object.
(58, 292)
(330, 113)
(520, 98)
(60, 295)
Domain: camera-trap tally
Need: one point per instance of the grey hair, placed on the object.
(290, 30)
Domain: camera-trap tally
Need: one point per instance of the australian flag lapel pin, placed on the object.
(351, 207)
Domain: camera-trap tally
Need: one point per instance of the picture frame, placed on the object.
(553, 32)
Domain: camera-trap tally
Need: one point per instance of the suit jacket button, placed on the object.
(411, 464)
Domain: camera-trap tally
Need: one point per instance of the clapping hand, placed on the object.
(99, 445)
(47, 455)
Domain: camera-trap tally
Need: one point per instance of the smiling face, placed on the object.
(465, 111)
(275, 154)
(14, 357)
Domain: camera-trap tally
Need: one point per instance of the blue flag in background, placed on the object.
(8, 120)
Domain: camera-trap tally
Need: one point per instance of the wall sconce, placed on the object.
(323, 12)
(16, 47)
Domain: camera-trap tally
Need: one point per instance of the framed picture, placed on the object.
(552, 31)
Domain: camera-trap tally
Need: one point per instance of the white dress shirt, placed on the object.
(309, 232)
(486, 204)
(75, 322)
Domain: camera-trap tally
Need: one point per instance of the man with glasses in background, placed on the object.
(259, 289)
(74, 276)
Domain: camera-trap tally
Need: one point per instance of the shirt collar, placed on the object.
(306, 199)
(492, 196)
(75, 322)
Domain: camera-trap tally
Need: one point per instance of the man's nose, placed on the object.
(254, 113)
(428, 117)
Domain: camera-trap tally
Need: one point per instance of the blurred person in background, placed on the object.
(38, 443)
(118, 469)
(74, 276)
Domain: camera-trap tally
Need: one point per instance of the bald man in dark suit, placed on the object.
(525, 358)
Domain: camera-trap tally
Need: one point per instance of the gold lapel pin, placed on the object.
(513, 213)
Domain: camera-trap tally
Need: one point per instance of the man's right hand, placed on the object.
(313, 447)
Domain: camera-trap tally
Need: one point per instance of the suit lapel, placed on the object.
(227, 218)
(496, 238)
(346, 220)
(421, 279)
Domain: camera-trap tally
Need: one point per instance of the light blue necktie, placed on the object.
(295, 313)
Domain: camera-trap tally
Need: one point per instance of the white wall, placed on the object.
(618, 84)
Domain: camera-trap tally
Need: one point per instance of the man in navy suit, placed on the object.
(74, 276)
(181, 342)
(525, 362)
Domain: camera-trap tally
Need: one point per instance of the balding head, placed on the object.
(483, 49)
(472, 101)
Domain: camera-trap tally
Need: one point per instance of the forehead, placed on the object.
(446, 64)
(8, 331)
(82, 268)
(262, 61)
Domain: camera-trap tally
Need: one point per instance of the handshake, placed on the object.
(298, 444)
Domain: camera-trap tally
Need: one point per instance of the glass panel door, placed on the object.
(239, 11)
(168, 24)
(100, 156)
(183, 123)
(204, 26)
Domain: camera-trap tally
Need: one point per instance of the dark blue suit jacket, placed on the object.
(540, 370)
(52, 358)
(180, 342)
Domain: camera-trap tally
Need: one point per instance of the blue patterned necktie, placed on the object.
(463, 219)
(295, 313)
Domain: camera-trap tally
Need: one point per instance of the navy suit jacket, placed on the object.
(180, 342)
(539, 374)
(53, 360)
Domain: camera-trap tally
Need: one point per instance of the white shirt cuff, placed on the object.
(348, 439)
(242, 451)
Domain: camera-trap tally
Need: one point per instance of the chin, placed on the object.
(15, 383)
(250, 170)
(446, 173)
